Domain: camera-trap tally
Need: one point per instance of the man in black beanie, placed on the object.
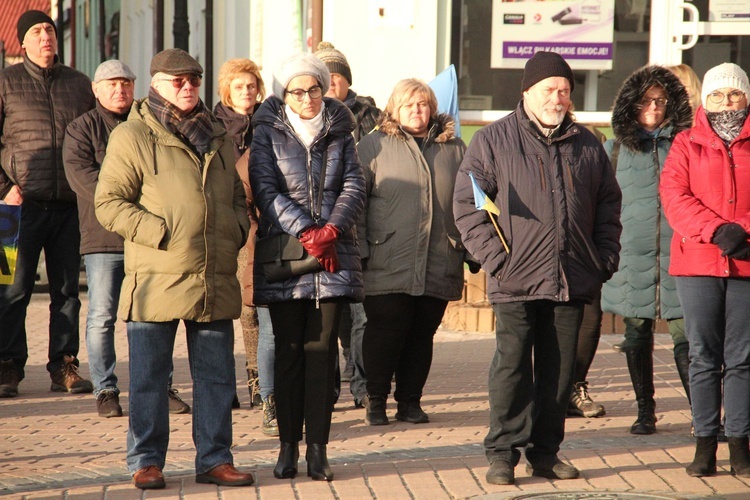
(38, 98)
(558, 206)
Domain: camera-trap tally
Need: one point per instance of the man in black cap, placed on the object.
(559, 213)
(38, 98)
(168, 186)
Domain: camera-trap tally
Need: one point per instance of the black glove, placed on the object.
(730, 238)
(742, 253)
(474, 267)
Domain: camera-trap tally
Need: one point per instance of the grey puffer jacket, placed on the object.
(285, 179)
(36, 105)
(642, 286)
(408, 237)
(559, 210)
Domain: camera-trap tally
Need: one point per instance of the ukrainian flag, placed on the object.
(481, 200)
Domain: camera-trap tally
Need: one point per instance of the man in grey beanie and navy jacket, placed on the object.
(559, 206)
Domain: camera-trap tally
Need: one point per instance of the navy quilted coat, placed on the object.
(285, 178)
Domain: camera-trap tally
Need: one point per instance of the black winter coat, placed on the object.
(365, 113)
(36, 105)
(285, 179)
(85, 145)
(559, 210)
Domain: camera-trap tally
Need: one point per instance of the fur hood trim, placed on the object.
(679, 114)
(441, 128)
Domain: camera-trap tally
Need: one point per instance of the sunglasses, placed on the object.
(180, 81)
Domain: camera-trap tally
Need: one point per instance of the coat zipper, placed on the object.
(655, 153)
(48, 88)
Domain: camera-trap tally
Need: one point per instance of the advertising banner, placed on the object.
(729, 10)
(579, 30)
(10, 223)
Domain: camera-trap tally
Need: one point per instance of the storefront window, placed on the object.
(484, 88)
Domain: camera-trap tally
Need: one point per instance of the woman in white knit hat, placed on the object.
(705, 189)
(310, 190)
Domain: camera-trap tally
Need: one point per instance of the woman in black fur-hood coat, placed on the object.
(679, 114)
(642, 290)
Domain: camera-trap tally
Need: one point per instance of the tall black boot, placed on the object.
(682, 360)
(739, 456)
(641, 368)
(704, 463)
(317, 463)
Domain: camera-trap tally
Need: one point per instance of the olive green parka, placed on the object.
(183, 217)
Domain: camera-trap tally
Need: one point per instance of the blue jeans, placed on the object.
(358, 383)
(54, 230)
(210, 353)
(266, 352)
(104, 274)
(716, 322)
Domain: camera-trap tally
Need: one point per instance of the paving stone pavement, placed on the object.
(54, 446)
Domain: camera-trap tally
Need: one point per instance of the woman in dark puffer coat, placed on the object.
(651, 108)
(292, 140)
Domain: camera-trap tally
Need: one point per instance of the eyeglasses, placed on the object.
(180, 81)
(315, 92)
(718, 97)
(659, 101)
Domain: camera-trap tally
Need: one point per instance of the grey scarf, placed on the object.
(727, 124)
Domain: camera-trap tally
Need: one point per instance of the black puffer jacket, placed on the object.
(559, 210)
(365, 113)
(285, 179)
(36, 105)
(238, 127)
(85, 145)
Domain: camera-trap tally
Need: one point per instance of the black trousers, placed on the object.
(306, 344)
(531, 377)
(398, 339)
(588, 338)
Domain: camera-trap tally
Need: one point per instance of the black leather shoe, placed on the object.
(411, 412)
(286, 465)
(500, 472)
(375, 410)
(317, 463)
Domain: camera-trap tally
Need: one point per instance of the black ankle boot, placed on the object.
(704, 463)
(641, 368)
(375, 410)
(739, 456)
(286, 466)
(317, 463)
(682, 360)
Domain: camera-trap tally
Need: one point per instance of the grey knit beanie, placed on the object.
(299, 65)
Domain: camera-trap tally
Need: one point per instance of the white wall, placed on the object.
(383, 49)
(410, 39)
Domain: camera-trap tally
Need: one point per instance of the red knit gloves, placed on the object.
(320, 242)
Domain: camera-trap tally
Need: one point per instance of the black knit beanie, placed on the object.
(544, 65)
(29, 19)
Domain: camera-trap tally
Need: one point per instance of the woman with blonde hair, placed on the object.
(691, 82)
(411, 249)
(241, 90)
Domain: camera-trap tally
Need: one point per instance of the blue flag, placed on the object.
(445, 86)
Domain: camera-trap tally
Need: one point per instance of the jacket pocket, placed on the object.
(381, 249)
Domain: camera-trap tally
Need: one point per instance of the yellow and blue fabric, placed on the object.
(10, 223)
